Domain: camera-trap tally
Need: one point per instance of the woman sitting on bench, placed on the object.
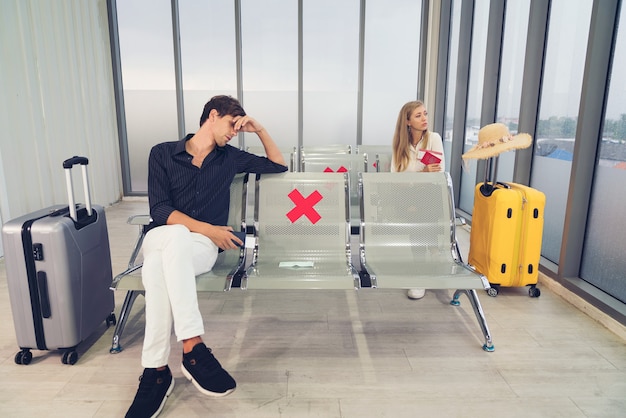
(416, 149)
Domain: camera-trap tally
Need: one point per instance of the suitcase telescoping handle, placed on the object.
(489, 186)
(67, 165)
(491, 165)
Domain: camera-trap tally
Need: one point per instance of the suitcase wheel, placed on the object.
(493, 290)
(111, 320)
(534, 292)
(23, 357)
(70, 357)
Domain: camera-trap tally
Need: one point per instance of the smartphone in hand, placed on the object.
(242, 236)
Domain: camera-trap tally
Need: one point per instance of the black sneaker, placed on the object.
(154, 388)
(206, 373)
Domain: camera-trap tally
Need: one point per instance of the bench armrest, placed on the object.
(139, 220)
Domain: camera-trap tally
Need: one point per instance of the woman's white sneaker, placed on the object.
(416, 293)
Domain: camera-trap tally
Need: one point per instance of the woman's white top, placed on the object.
(435, 145)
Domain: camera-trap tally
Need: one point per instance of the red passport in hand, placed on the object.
(429, 158)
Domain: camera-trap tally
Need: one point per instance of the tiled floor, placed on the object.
(371, 353)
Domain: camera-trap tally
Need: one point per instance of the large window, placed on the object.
(392, 46)
(207, 49)
(269, 32)
(146, 50)
(556, 127)
(453, 53)
(474, 100)
(267, 79)
(603, 262)
(330, 71)
(511, 73)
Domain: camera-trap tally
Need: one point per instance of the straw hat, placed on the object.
(494, 139)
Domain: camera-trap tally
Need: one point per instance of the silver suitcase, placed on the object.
(58, 265)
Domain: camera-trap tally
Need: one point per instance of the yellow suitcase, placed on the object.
(505, 240)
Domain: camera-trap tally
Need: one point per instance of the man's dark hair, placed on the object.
(225, 105)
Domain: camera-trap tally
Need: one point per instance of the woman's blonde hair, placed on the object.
(402, 136)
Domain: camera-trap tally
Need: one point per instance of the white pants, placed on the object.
(173, 256)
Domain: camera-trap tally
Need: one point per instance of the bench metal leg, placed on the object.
(131, 295)
(478, 311)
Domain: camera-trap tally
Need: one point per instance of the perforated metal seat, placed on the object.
(381, 164)
(378, 157)
(326, 149)
(407, 237)
(302, 233)
(353, 164)
(229, 266)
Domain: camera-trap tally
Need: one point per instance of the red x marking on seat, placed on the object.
(341, 169)
(304, 206)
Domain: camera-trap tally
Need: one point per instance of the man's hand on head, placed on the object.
(246, 124)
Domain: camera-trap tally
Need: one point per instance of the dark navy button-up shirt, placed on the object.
(174, 183)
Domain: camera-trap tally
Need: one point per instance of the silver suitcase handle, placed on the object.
(67, 165)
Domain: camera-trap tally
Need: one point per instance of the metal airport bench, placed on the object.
(408, 240)
(302, 233)
(302, 239)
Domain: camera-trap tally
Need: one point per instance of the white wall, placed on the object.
(57, 101)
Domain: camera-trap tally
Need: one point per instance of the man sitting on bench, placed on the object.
(188, 191)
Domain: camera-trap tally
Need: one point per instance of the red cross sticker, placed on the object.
(304, 206)
(341, 169)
